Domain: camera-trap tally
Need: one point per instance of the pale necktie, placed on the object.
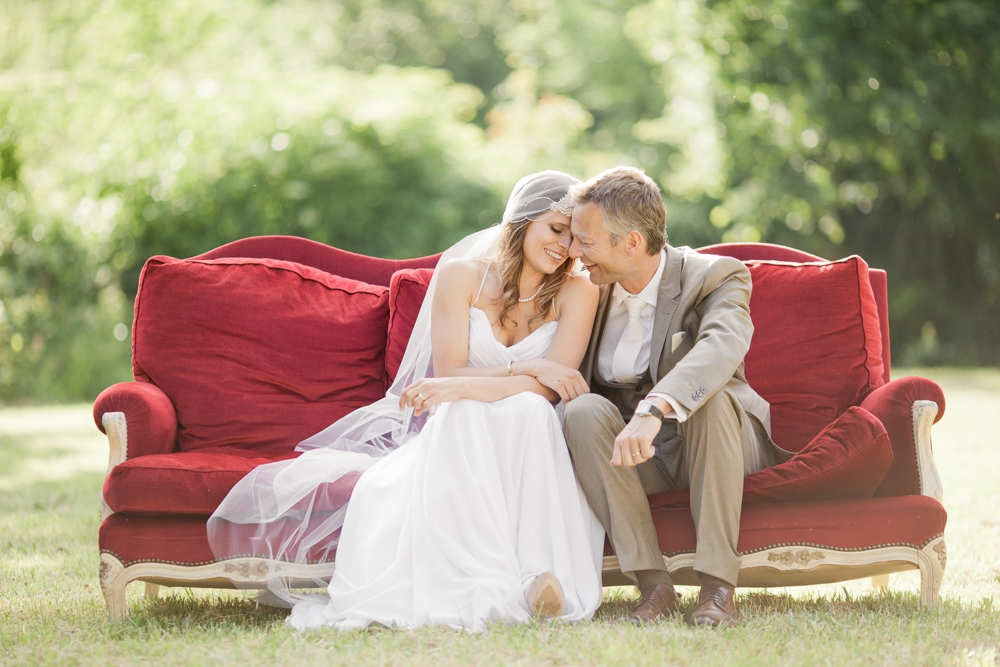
(623, 364)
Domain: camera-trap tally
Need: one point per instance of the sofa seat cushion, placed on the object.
(169, 538)
(180, 539)
(257, 353)
(848, 459)
(192, 482)
(817, 345)
(846, 525)
(406, 294)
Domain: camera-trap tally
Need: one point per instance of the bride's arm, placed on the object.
(575, 305)
(558, 370)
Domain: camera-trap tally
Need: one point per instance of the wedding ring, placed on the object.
(635, 453)
(421, 397)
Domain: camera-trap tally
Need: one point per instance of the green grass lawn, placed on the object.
(52, 462)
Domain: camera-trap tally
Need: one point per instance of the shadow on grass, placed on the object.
(761, 606)
(780, 616)
(186, 612)
(186, 609)
(764, 603)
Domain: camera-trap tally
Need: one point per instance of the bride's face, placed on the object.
(546, 243)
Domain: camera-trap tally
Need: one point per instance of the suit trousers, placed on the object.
(710, 452)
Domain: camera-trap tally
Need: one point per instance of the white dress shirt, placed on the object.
(614, 329)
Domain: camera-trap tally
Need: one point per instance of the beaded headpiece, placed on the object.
(564, 205)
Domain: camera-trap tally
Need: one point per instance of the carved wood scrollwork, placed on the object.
(104, 571)
(246, 569)
(791, 558)
(942, 553)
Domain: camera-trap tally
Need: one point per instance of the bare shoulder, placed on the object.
(578, 290)
(467, 269)
(461, 276)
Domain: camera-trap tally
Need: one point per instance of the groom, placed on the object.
(670, 407)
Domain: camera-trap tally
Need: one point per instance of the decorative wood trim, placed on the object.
(790, 558)
(116, 428)
(243, 573)
(806, 565)
(923, 413)
(113, 580)
(932, 560)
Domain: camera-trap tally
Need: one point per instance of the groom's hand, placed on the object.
(634, 444)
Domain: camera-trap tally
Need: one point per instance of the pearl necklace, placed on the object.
(532, 297)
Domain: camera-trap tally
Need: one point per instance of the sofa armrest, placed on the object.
(138, 414)
(145, 409)
(908, 407)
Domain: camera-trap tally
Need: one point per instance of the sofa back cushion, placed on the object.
(257, 353)
(406, 293)
(816, 348)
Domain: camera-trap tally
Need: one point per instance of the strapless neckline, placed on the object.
(486, 319)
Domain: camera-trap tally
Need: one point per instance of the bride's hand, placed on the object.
(565, 381)
(423, 394)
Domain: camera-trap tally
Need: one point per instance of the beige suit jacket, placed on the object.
(707, 299)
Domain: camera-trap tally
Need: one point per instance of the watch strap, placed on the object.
(650, 409)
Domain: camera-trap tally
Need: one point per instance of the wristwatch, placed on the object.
(647, 409)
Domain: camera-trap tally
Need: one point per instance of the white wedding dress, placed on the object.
(452, 527)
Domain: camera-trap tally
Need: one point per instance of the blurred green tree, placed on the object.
(834, 127)
(874, 127)
(199, 123)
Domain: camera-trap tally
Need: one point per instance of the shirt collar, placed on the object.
(650, 292)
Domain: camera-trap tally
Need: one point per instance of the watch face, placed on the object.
(646, 408)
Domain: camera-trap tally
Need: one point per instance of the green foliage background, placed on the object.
(393, 127)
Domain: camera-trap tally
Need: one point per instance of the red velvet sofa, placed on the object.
(240, 353)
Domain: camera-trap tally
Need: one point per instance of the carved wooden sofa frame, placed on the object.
(783, 564)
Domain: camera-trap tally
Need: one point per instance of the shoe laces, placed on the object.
(648, 595)
(716, 595)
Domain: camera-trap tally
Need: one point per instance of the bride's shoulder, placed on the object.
(578, 288)
(463, 269)
(580, 282)
(459, 278)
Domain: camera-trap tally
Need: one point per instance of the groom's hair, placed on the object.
(629, 200)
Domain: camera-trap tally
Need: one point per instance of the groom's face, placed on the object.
(592, 246)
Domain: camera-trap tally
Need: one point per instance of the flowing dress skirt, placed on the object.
(451, 528)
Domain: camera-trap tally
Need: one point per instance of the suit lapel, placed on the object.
(666, 308)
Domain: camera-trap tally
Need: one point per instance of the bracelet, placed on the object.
(510, 368)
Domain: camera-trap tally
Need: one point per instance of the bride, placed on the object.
(479, 518)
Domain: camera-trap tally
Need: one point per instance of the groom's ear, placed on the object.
(634, 242)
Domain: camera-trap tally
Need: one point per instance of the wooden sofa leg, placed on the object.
(932, 560)
(881, 582)
(113, 581)
(152, 591)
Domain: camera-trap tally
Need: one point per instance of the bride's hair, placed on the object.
(510, 263)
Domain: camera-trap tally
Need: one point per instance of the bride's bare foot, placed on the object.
(545, 596)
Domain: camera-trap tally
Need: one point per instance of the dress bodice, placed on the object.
(486, 351)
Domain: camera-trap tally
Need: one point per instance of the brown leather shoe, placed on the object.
(657, 601)
(716, 604)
